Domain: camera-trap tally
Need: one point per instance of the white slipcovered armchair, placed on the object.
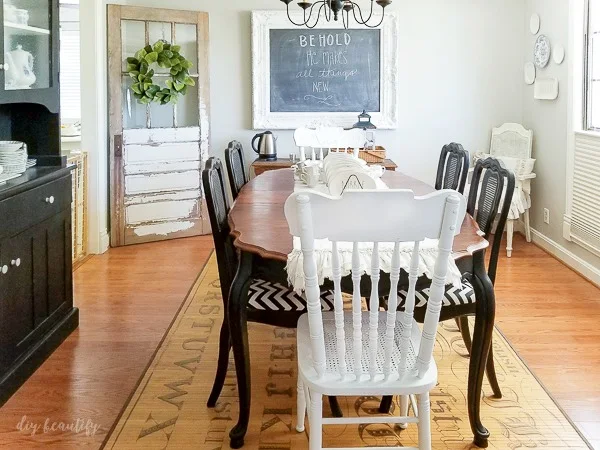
(512, 144)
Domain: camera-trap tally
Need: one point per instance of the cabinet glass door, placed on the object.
(27, 44)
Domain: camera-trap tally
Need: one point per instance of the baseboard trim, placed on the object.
(569, 258)
(104, 241)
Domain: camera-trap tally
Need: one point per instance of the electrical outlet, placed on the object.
(547, 216)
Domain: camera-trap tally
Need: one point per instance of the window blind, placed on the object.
(70, 65)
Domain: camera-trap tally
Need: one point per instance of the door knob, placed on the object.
(50, 199)
(16, 262)
(4, 269)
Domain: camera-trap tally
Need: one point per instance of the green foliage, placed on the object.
(166, 56)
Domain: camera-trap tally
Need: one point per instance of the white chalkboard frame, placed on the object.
(263, 118)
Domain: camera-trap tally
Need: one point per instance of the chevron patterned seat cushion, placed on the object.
(453, 296)
(267, 296)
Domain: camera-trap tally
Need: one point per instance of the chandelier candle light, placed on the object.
(334, 9)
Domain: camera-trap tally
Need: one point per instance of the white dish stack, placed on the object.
(13, 157)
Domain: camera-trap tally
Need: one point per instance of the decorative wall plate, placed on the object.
(541, 53)
(529, 73)
(546, 89)
(558, 54)
(534, 24)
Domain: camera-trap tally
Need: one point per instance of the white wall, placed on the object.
(549, 121)
(461, 74)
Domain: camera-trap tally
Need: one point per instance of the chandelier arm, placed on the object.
(365, 22)
(362, 21)
(345, 19)
(291, 20)
(316, 21)
(328, 4)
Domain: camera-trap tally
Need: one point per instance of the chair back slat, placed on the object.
(236, 168)
(392, 311)
(374, 311)
(312, 142)
(313, 298)
(513, 140)
(409, 309)
(312, 215)
(340, 333)
(438, 283)
(356, 311)
(453, 168)
(217, 202)
(490, 180)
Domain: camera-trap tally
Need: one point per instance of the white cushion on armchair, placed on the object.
(523, 170)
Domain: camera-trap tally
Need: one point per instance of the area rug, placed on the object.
(168, 409)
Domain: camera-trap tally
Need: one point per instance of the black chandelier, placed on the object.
(333, 9)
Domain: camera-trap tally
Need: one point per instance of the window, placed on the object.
(70, 60)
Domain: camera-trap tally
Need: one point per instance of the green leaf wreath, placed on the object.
(166, 56)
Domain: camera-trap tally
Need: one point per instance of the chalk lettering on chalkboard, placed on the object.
(325, 70)
(323, 101)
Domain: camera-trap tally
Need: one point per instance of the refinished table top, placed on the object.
(258, 223)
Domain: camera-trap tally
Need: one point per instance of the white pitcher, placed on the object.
(20, 73)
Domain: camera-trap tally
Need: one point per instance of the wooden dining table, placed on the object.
(260, 234)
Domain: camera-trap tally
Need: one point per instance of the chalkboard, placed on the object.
(325, 70)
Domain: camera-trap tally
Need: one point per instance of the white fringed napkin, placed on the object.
(427, 255)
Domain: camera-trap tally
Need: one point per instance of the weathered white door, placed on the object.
(157, 151)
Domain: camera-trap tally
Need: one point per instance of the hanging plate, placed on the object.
(534, 24)
(529, 73)
(541, 53)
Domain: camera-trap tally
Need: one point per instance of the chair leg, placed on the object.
(404, 401)
(315, 420)
(336, 411)
(386, 404)
(527, 226)
(301, 414)
(463, 326)
(482, 338)
(238, 328)
(222, 364)
(424, 421)
(490, 370)
(510, 228)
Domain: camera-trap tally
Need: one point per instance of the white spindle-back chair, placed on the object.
(317, 140)
(515, 141)
(352, 353)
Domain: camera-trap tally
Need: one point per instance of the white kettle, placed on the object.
(20, 69)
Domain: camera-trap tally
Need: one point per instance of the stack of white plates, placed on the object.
(13, 157)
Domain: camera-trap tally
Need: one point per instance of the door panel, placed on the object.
(157, 151)
(16, 310)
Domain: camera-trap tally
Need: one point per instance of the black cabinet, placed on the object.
(36, 288)
(36, 293)
(29, 76)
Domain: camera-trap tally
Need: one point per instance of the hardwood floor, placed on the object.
(129, 296)
(127, 299)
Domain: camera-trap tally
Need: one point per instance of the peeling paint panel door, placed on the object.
(157, 151)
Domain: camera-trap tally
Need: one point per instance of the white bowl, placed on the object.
(10, 146)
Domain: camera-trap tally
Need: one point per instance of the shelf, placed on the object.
(26, 29)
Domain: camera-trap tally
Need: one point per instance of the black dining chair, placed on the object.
(453, 168)
(270, 302)
(490, 178)
(236, 168)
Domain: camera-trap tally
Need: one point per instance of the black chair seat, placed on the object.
(268, 296)
(453, 296)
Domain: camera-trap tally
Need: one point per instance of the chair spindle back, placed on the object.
(312, 215)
